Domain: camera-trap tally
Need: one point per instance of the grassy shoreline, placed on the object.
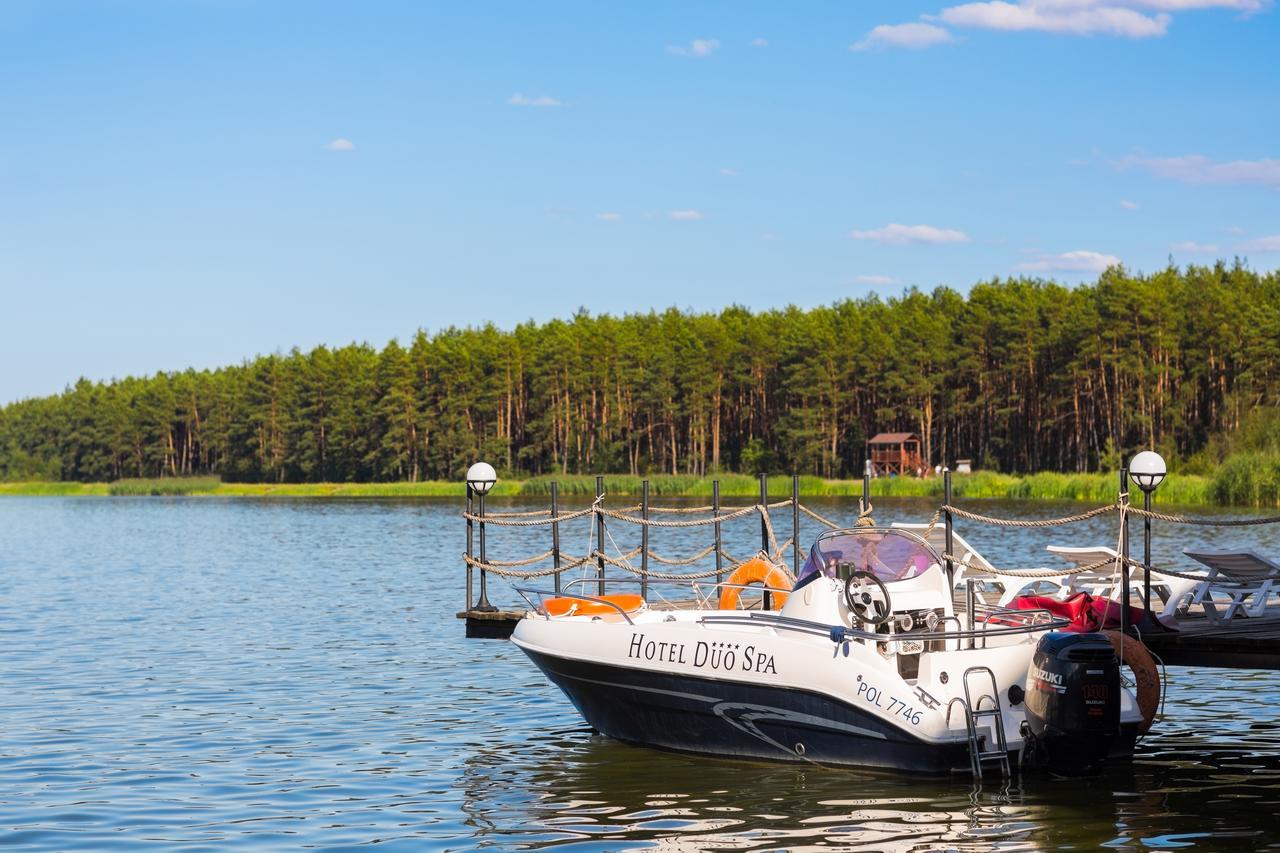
(1095, 488)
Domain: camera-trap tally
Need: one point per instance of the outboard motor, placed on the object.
(1073, 702)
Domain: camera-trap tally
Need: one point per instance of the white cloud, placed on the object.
(1077, 261)
(875, 279)
(1263, 244)
(730, 173)
(609, 217)
(1191, 247)
(686, 215)
(1124, 18)
(913, 35)
(519, 100)
(700, 48)
(340, 144)
(901, 235)
(1198, 169)
(1129, 205)
(1070, 17)
(759, 42)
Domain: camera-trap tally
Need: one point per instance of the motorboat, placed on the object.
(867, 660)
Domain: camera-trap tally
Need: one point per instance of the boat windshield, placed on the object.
(890, 555)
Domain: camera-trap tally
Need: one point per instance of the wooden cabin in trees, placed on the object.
(897, 453)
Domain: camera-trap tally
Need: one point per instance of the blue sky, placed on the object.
(193, 183)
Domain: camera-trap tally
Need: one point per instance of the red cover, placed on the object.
(1086, 612)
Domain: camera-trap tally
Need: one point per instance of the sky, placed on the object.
(191, 183)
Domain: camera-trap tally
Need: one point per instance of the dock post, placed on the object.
(1146, 560)
(483, 604)
(767, 602)
(470, 547)
(946, 502)
(1124, 550)
(795, 525)
(644, 540)
(715, 513)
(600, 535)
(555, 532)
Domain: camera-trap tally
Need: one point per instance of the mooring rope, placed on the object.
(499, 521)
(686, 561)
(529, 513)
(818, 518)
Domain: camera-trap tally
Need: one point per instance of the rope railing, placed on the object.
(1027, 522)
(1043, 573)
(703, 516)
(1204, 522)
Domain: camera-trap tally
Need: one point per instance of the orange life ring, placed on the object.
(755, 570)
(1146, 675)
(630, 602)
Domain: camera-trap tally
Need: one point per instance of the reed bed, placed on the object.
(1242, 481)
(45, 488)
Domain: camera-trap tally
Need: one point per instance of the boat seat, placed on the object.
(629, 602)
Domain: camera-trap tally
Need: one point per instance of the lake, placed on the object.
(209, 673)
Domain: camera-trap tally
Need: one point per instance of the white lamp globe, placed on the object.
(481, 477)
(1147, 470)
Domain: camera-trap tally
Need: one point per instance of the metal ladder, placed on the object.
(973, 712)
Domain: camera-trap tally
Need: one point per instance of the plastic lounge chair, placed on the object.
(1008, 586)
(1105, 581)
(1239, 575)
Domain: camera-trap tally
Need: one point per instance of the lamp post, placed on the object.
(480, 479)
(1147, 469)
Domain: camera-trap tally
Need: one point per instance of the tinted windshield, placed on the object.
(890, 555)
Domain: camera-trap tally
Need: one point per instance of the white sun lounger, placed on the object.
(1245, 578)
(1104, 582)
(1008, 586)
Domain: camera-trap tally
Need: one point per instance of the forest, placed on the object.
(1020, 375)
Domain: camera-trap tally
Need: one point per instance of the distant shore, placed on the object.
(1096, 488)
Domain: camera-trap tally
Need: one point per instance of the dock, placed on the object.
(1243, 642)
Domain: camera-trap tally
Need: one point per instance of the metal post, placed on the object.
(600, 536)
(764, 532)
(795, 525)
(470, 549)
(644, 540)
(1146, 559)
(946, 514)
(715, 513)
(866, 484)
(1124, 551)
(483, 604)
(555, 531)
(971, 604)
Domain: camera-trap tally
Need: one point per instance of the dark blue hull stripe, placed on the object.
(732, 719)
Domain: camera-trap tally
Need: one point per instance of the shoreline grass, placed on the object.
(1095, 488)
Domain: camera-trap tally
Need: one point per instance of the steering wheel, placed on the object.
(868, 598)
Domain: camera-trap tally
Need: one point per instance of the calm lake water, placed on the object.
(209, 673)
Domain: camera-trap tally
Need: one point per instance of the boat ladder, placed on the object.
(979, 751)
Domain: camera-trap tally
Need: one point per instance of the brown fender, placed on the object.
(1146, 675)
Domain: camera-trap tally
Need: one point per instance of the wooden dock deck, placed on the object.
(1242, 643)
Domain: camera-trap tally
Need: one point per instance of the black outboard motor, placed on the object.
(1073, 702)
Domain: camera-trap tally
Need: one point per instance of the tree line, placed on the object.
(1019, 375)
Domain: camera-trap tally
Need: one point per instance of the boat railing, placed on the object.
(697, 585)
(525, 592)
(839, 633)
